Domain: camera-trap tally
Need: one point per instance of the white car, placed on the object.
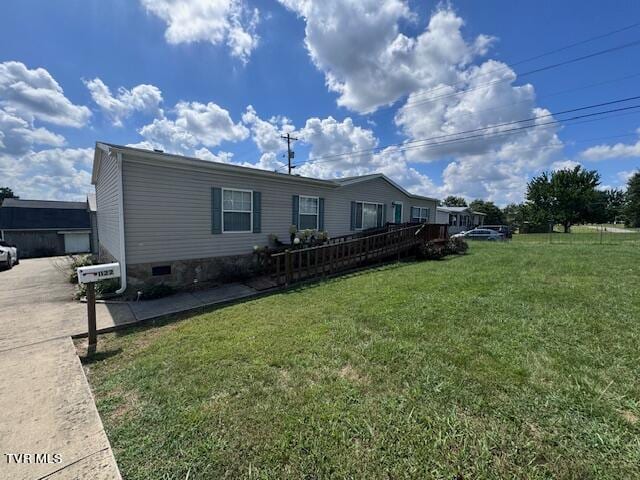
(8, 255)
(480, 234)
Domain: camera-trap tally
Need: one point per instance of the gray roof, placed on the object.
(459, 210)
(20, 203)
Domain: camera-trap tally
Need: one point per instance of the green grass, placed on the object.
(517, 360)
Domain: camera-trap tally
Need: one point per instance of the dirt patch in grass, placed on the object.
(630, 417)
(348, 372)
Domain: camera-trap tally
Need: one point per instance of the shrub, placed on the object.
(430, 251)
(78, 261)
(457, 246)
(103, 288)
(157, 291)
(235, 270)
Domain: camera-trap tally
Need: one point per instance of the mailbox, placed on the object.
(97, 273)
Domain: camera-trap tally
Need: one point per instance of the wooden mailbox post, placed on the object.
(89, 276)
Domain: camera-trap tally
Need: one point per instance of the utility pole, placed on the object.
(290, 153)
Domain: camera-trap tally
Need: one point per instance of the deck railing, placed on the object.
(346, 253)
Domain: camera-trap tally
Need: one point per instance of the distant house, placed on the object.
(41, 228)
(173, 219)
(459, 218)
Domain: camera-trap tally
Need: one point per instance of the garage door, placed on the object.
(76, 243)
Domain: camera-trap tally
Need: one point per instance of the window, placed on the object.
(369, 215)
(308, 213)
(237, 210)
(419, 214)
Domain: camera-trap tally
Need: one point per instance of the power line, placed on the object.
(537, 70)
(530, 119)
(536, 57)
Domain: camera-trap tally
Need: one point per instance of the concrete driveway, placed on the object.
(36, 304)
(46, 406)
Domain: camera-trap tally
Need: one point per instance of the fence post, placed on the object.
(287, 267)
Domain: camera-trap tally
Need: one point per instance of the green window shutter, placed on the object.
(295, 209)
(384, 214)
(321, 214)
(257, 207)
(379, 216)
(353, 215)
(216, 210)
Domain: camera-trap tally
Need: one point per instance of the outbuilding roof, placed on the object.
(18, 214)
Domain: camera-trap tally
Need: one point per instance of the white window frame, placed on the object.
(401, 211)
(237, 211)
(420, 217)
(377, 204)
(317, 209)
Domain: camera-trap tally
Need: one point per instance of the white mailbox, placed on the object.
(97, 273)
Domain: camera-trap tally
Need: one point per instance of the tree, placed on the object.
(564, 196)
(6, 192)
(494, 215)
(614, 205)
(632, 205)
(453, 201)
(513, 214)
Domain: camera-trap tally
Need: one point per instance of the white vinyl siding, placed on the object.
(308, 211)
(108, 205)
(419, 214)
(237, 211)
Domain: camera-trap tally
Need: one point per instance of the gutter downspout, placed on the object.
(123, 263)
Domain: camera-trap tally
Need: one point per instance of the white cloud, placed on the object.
(195, 125)
(625, 175)
(18, 136)
(266, 133)
(369, 62)
(215, 21)
(62, 174)
(141, 98)
(35, 95)
(607, 152)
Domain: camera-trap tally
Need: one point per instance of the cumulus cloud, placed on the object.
(215, 21)
(608, 152)
(195, 125)
(61, 174)
(141, 98)
(266, 133)
(33, 94)
(18, 136)
(369, 62)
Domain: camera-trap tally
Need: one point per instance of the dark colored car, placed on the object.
(503, 229)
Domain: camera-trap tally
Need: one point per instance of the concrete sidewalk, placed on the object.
(46, 407)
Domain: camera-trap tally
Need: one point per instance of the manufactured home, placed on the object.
(171, 219)
(459, 219)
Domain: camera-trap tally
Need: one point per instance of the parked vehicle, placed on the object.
(480, 234)
(8, 255)
(503, 229)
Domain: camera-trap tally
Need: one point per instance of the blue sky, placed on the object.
(222, 79)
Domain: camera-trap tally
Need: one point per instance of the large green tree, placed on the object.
(632, 205)
(566, 196)
(6, 192)
(453, 201)
(494, 215)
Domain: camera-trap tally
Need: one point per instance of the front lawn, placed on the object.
(517, 360)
